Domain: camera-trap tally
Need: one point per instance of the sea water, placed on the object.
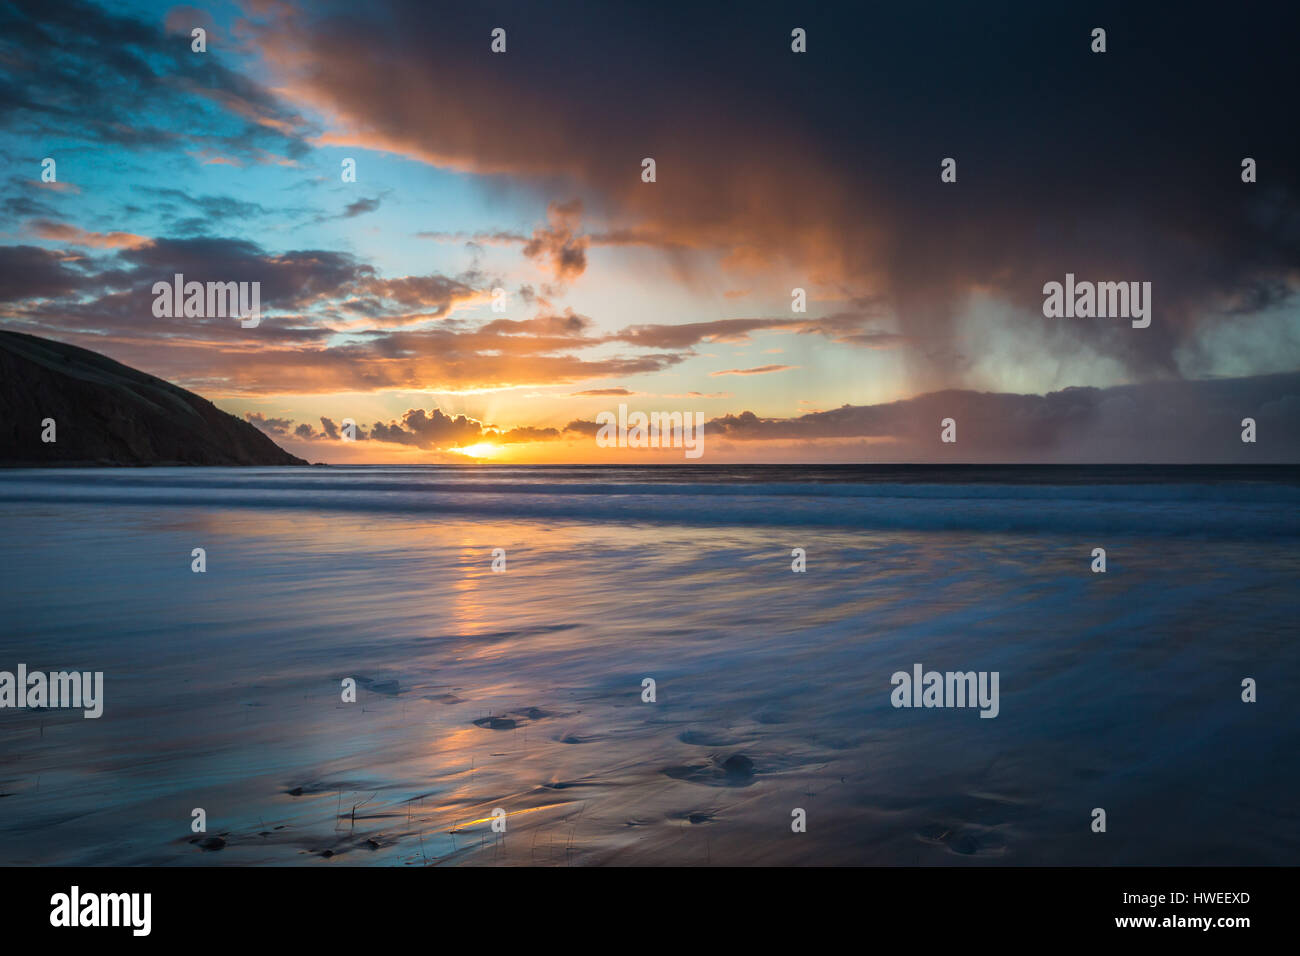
(522, 690)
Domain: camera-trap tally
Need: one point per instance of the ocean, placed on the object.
(503, 717)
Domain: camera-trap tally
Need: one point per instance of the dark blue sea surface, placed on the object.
(522, 690)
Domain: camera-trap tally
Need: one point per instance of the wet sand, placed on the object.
(523, 691)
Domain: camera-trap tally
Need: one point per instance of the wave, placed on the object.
(1221, 509)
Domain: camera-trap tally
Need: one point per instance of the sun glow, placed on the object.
(483, 449)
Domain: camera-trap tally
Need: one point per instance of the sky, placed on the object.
(500, 272)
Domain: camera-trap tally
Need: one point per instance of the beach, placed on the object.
(522, 690)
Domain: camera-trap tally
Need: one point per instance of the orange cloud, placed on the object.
(63, 232)
(761, 370)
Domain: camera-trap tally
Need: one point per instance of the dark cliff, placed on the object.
(106, 413)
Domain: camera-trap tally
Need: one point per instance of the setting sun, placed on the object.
(481, 450)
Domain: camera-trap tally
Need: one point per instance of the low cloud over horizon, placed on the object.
(1153, 423)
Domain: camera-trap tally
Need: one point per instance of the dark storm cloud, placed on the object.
(1176, 421)
(1116, 166)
